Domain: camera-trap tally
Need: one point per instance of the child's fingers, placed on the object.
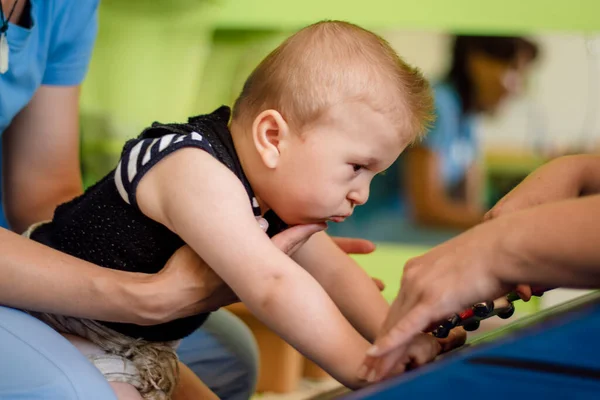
(373, 366)
(415, 321)
(524, 292)
(391, 364)
(398, 369)
(292, 238)
(424, 349)
(369, 364)
(456, 338)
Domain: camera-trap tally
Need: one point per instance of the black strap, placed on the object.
(4, 26)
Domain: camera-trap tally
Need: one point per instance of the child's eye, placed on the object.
(357, 167)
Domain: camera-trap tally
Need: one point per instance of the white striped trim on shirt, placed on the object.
(143, 152)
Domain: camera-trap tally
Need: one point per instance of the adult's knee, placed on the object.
(37, 362)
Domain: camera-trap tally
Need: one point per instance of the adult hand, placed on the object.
(354, 246)
(434, 287)
(188, 286)
(358, 246)
(557, 180)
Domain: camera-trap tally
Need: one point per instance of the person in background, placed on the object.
(443, 175)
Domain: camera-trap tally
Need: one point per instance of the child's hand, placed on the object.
(456, 338)
(433, 286)
(422, 349)
(524, 292)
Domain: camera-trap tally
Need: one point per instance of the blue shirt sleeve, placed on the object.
(72, 42)
(444, 129)
(453, 138)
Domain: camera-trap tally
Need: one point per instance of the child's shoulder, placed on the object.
(205, 124)
(209, 132)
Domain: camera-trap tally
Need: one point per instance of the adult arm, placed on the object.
(41, 145)
(41, 166)
(562, 178)
(38, 278)
(554, 244)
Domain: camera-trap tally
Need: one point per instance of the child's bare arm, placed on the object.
(204, 203)
(345, 281)
(360, 301)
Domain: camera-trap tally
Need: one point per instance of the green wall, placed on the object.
(168, 59)
(463, 15)
(150, 56)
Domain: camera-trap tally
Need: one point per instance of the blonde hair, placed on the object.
(332, 62)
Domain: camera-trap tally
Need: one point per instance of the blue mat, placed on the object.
(552, 354)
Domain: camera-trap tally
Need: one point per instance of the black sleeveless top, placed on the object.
(105, 226)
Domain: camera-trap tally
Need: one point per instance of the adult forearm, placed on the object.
(556, 244)
(24, 212)
(38, 278)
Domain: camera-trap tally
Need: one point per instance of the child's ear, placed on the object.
(269, 130)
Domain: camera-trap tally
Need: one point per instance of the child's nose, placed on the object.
(359, 197)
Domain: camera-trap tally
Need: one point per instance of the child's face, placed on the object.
(325, 171)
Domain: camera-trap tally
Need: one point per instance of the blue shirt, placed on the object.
(453, 137)
(54, 50)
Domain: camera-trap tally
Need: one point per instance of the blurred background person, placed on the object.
(445, 186)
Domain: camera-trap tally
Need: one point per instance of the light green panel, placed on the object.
(233, 56)
(460, 15)
(148, 67)
(387, 263)
(150, 57)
